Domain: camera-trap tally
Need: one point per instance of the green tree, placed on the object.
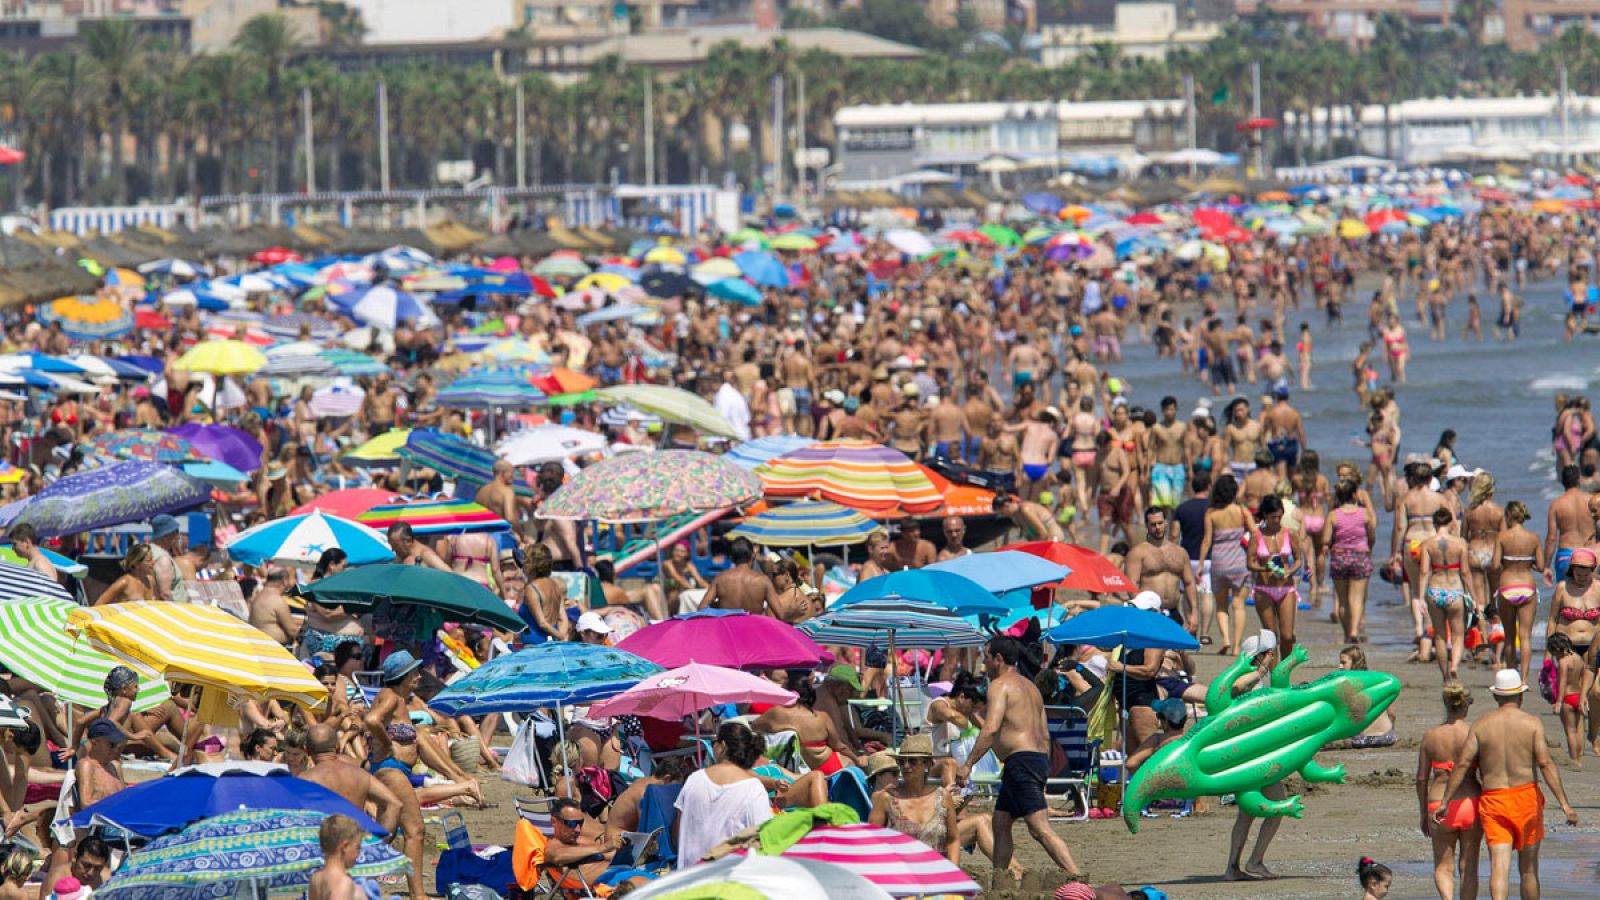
(270, 40)
(116, 52)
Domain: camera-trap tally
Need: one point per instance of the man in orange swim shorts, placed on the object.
(1506, 746)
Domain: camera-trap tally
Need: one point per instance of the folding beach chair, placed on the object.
(1069, 731)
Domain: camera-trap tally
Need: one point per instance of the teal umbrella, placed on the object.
(457, 597)
(737, 290)
(543, 675)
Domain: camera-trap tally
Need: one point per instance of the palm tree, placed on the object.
(270, 40)
(116, 52)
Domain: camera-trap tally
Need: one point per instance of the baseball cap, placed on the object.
(107, 729)
(1147, 600)
(1582, 557)
(398, 665)
(1172, 709)
(591, 621)
(1264, 642)
(846, 673)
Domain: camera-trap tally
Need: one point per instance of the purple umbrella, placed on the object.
(738, 641)
(110, 495)
(222, 443)
(1068, 252)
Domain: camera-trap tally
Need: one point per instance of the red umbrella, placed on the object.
(273, 256)
(968, 236)
(1376, 220)
(1090, 571)
(1494, 195)
(1261, 124)
(1144, 218)
(150, 320)
(11, 156)
(1212, 219)
(348, 503)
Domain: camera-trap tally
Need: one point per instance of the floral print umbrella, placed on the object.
(148, 446)
(111, 495)
(646, 487)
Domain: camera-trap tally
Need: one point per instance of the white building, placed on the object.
(1149, 30)
(1454, 129)
(435, 21)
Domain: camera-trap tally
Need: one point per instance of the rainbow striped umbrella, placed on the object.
(809, 523)
(859, 474)
(435, 517)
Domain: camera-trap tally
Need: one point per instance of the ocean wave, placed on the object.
(1553, 383)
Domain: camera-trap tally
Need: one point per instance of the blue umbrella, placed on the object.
(763, 268)
(161, 805)
(1044, 204)
(737, 290)
(912, 623)
(381, 305)
(110, 495)
(1004, 571)
(41, 362)
(612, 313)
(1123, 626)
(302, 539)
(501, 389)
(948, 590)
(149, 364)
(548, 674)
(753, 453)
(454, 458)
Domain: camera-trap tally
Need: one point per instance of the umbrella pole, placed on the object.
(1122, 708)
(896, 698)
(561, 736)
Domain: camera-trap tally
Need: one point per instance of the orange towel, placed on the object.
(1513, 815)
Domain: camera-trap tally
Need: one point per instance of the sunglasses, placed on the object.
(571, 823)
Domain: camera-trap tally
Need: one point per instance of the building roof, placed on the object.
(910, 115)
(1449, 109)
(687, 46)
(1118, 109)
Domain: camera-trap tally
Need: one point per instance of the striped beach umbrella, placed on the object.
(19, 582)
(859, 474)
(672, 405)
(808, 523)
(199, 645)
(354, 362)
(381, 452)
(499, 389)
(34, 644)
(647, 487)
(546, 674)
(896, 862)
(435, 517)
(753, 453)
(300, 540)
(912, 623)
(337, 401)
(88, 318)
(453, 458)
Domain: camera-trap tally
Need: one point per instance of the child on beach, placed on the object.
(1568, 702)
(1375, 879)
(340, 838)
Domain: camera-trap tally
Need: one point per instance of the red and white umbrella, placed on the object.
(898, 863)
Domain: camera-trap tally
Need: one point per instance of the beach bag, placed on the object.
(1548, 679)
(522, 764)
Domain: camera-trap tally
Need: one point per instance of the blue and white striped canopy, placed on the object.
(301, 540)
(544, 675)
(753, 453)
(502, 389)
(913, 624)
(17, 582)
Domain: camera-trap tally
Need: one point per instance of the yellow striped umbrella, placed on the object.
(859, 474)
(199, 645)
(222, 358)
(380, 452)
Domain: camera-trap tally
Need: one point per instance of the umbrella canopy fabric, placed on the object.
(222, 358)
(689, 688)
(499, 389)
(162, 805)
(381, 452)
(271, 849)
(549, 443)
(88, 318)
(751, 454)
(1090, 571)
(914, 623)
(150, 446)
(755, 877)
(672, 405)
(110, 495)
(762, 268)
(646, 487)
(735, 289)
(944, 589)
(63, 564)
(457, 596)
(859, 474)
(348, 503)
(223, 443)
(300, 540)
(34, 645)
(428, 517)
(453, 458)
(382, 306)
(199, 645)
(735, 641)
(896, 862)
(337, 401)
(1004, 571)
(544, 675)
(807, 523)
(1123, 626)
(18, 581)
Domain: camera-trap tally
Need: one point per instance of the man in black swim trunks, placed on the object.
(1015, 730)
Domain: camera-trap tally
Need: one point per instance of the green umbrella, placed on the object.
(1001, 235)
(672, 404)
(793, 241)
(574, 399)
(457, 597)
(34, 644)
(1038, 234)
(747, 235)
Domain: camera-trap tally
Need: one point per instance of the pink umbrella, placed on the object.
(505, 264)
(688, 689)
(898, 863)
(734, 640)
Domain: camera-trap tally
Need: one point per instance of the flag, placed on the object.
(1219, 96)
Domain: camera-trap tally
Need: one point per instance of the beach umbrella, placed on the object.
(561, 380)
(246, 850)
(453, 458)
(807, 523)
(1125, 626)
(1000, 234)
(385, 585)
(149, 446)
(430, 517)
(353, 362)
(549, 443)
(668, 284)
(223, 443)
(665, 255)
(216, 473)
(337, 401)
(198, 296)
(110, 495)
(297, 364)
(164, 805)
(688, 689)
(672, 405)
(896, 862)
(915, 623)
(859, 474)
(763, 268)
(613, 313)
(301, 540)
(63, 564)
(172, 268)
(549, 674)
(382, 306)
(622, 415)
(1352, 229)
(755, 877)
(561, 266)
(909, 242)
(87, 318)
(1003, 571)
(514, 350)
(730, 638)
(716, 267)
(199, 645)
(17, 582)
(610, 282)
(495, 389)
(946, 589)
(794, 241)
(348, 503)
(1090, 571)
(640, 487)
(754, 452)
(34, 645)
(39, 362)
(737, 290)
(222, 357)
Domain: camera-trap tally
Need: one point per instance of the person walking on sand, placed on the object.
(1015, 730)
(1504, 747)
(1456, 839)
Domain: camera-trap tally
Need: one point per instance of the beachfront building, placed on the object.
(1146, 29)
(1451, 130)
(885, 141)
(1522, 24)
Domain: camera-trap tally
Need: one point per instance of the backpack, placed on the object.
(1548, 679)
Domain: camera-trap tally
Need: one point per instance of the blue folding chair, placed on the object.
(657, 810)
(849, 786)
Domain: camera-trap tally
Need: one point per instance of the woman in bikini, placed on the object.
(1482, 522)
(1083, 429)
(472, 555)
(1413, 525)
(821, 745)
(1518, 553)
(1311, 496)
(1396, 351)
(1444, 589)
(1348, 534)
(1275, 560)
(1202, 444)
(139, 570)
(1575, 606)
(1227, 524)
(543, 600)
(1457, 838)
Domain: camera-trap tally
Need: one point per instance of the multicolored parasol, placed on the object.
(646, 487)
(807, 523)
(111, 495)
(859, 474)
(88, 318)
(435, 517)
(150, 446)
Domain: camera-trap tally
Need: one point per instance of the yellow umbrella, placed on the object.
(610, 282)
(1353, 228)
(670, 256)
(222, 358)
(720, 266)
(379, 451)
(199, 645)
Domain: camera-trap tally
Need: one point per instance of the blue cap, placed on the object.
(399, 664)
(107, 729)
(162, 525)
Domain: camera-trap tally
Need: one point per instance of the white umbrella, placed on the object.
(337, 401)
(548, 443)
(177, 268)
(907, 241)
(771, 876)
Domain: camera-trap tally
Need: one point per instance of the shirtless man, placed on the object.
(948, 430)
(1217, 343)
(400, 680)
(378, 407)
(25, 542)
(1568, 525)
(800, 381)
(909, 422)
(955, 534)
(1274, 366)
(1015, 729)
(1242, 435)
(1284, 431)
(978, 413)
(741, 586)
(1034, 520)
(914, 550)
(1505, 746)
(269, 611)
(1115, 476)
(998, 457)
(1024, 362)
(499, 496)
(1162, 567)
(336, 773)
(1041, 442)
(412, 552)
(1167, 471)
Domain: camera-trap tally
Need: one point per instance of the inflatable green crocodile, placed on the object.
(1258, 739)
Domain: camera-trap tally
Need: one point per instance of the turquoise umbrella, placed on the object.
(737, 290)
(456, 597)
(549, 674)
